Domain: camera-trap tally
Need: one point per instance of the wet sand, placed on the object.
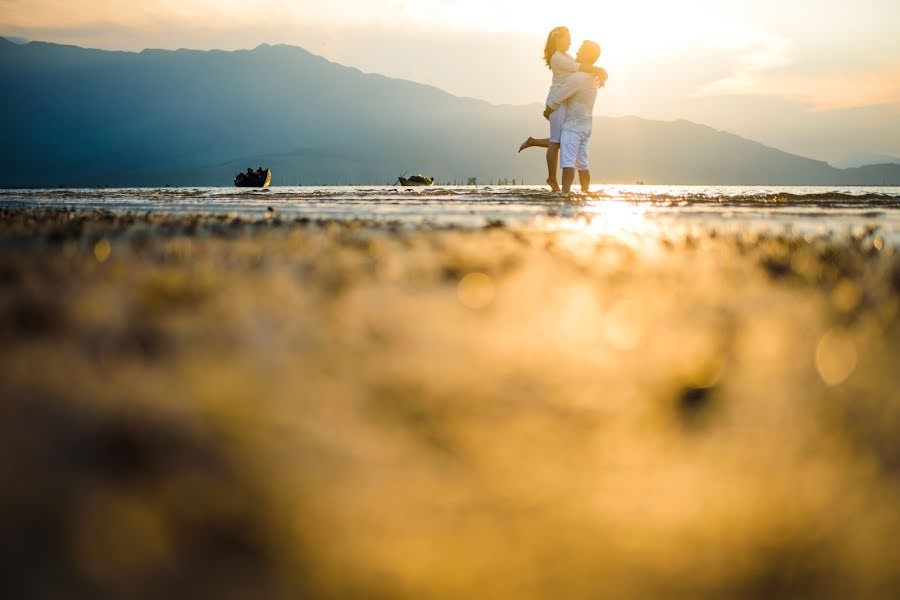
(230, 408)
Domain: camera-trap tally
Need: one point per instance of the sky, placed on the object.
(819, 78)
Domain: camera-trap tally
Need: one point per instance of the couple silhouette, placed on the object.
(569, 108)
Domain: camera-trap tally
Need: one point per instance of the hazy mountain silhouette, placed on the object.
(862, 159)
(88, 117)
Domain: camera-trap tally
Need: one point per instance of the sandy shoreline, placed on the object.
(207, 406)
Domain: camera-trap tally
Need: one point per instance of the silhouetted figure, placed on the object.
(563, 67)
(578, 94)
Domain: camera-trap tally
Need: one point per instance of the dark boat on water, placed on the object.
(416, 180)
(260, 178)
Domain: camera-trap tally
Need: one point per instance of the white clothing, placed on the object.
(557, 119)
(579, 94)
(562, 66)
(573, 150)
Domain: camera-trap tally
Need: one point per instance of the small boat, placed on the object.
(260, 178)
(416, 180)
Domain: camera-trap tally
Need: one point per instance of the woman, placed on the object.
(555, 55)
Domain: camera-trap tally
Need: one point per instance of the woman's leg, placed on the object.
(533, 143)
(557, 120)
(552, 165)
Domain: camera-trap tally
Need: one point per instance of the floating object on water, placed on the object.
(260, 178)
(416, 180)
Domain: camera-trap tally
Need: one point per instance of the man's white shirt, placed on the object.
(579, 93)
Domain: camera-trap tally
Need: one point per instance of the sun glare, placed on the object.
(607, 218)
(639, 30)
(615, 217)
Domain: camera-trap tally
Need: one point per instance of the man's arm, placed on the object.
(566, 63)
(568, 89)
(598, 72)
(591, 69)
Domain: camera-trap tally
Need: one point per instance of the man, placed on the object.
(578, 93)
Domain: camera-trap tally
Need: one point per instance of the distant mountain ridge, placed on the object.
(75, 116)
(864, 159)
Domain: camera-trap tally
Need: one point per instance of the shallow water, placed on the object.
(609, 209)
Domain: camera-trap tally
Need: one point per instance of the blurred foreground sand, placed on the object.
(209, 407)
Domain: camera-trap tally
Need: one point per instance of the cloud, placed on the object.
(755, 54)
(821, 63)
(767, 69)
(850, 90)
(226, 14)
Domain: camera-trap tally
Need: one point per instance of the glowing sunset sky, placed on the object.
(816, 77)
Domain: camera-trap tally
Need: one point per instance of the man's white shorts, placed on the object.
(573, 150)
(557, 118)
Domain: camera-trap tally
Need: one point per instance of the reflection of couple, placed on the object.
(570, 106)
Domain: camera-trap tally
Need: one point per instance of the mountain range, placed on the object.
(80, 117)
(862, 159)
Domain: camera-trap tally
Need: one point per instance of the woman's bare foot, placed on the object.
(527, 144)
(553, 184)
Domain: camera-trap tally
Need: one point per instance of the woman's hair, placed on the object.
(552, 45)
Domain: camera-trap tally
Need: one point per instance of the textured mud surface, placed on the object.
(214, 407)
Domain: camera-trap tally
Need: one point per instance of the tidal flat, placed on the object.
(231, 407)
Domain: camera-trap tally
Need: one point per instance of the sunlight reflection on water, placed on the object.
(617, 217)
(607, 210)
